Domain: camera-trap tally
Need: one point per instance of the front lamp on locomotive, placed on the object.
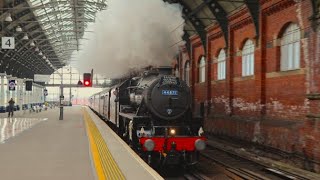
(163, 127)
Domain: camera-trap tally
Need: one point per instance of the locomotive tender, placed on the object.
(152, 113)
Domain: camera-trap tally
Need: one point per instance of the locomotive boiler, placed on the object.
(163, 97)
(152, 112)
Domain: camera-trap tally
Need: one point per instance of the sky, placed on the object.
(129, 35)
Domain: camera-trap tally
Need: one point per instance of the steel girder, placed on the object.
(67, 11)
(186, 38)
(315, 7)
(23, 16)
(98, 5)
(20, 41)
(254, 9)
(31, 48)
(189, 15)
(24, 46)
(315, 14)
(221, 17)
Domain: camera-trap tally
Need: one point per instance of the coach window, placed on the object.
(248, 58)
(222, 65)
(187, 72)
(290, 48)
(202, 70)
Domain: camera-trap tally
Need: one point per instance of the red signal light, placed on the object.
(87, 80)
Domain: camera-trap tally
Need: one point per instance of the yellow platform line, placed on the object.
(105, 165)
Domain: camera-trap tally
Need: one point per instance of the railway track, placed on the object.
(237, 167)
(195, 175)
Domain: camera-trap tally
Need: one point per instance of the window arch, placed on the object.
(248, 58)
(222, 65)
(290, 48)
(202, 70)
(187, 72)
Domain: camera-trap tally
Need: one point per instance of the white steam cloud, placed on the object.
(131, 34)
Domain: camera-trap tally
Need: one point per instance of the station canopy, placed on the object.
(202, 14)
(46, 32)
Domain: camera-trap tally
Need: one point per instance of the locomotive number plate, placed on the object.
(170, 92)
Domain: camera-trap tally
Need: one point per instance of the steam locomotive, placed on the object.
(152, 113)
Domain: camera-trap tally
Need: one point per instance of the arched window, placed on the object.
(202, 70)
(290, 48)
(222, 65)
(248, 58)
(187, 72)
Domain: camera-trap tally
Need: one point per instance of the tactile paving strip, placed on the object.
(106, 167)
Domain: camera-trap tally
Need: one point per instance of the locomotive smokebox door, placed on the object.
(168, 98)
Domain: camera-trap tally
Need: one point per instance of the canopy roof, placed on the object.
(200, 14)
(54, 28)
(46, 33)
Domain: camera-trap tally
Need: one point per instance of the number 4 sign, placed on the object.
(7, 42)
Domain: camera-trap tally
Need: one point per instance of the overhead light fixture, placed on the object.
(37, 49)
(40, 54)
(25, 37)
(32, 44)
(8, 18)
(44, 57)
(19, 29)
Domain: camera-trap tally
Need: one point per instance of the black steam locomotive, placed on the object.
(152, 112)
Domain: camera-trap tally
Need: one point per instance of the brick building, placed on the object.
(258, 76)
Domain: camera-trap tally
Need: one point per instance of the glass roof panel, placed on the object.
(59, 19)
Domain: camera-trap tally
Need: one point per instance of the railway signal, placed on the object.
(87, 80)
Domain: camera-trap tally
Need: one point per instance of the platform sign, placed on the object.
(12, 85)
(7, 43)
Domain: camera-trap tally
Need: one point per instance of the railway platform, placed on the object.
(40, 146)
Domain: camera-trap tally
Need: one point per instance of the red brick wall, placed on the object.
(198, 89)
(281, 103)
(270, 107)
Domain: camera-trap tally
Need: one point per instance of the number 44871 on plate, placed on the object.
(7, 43)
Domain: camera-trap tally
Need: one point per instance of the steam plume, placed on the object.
(131, 34)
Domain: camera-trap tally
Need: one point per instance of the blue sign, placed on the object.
(12, 85)
(170, 92)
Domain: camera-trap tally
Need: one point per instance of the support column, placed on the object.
(7, 90)
(18, 92)
(13, 93)
(24, 93)
(43, 99)
(230, 72)
(33, 94)
(2, 102)
(28, 94)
